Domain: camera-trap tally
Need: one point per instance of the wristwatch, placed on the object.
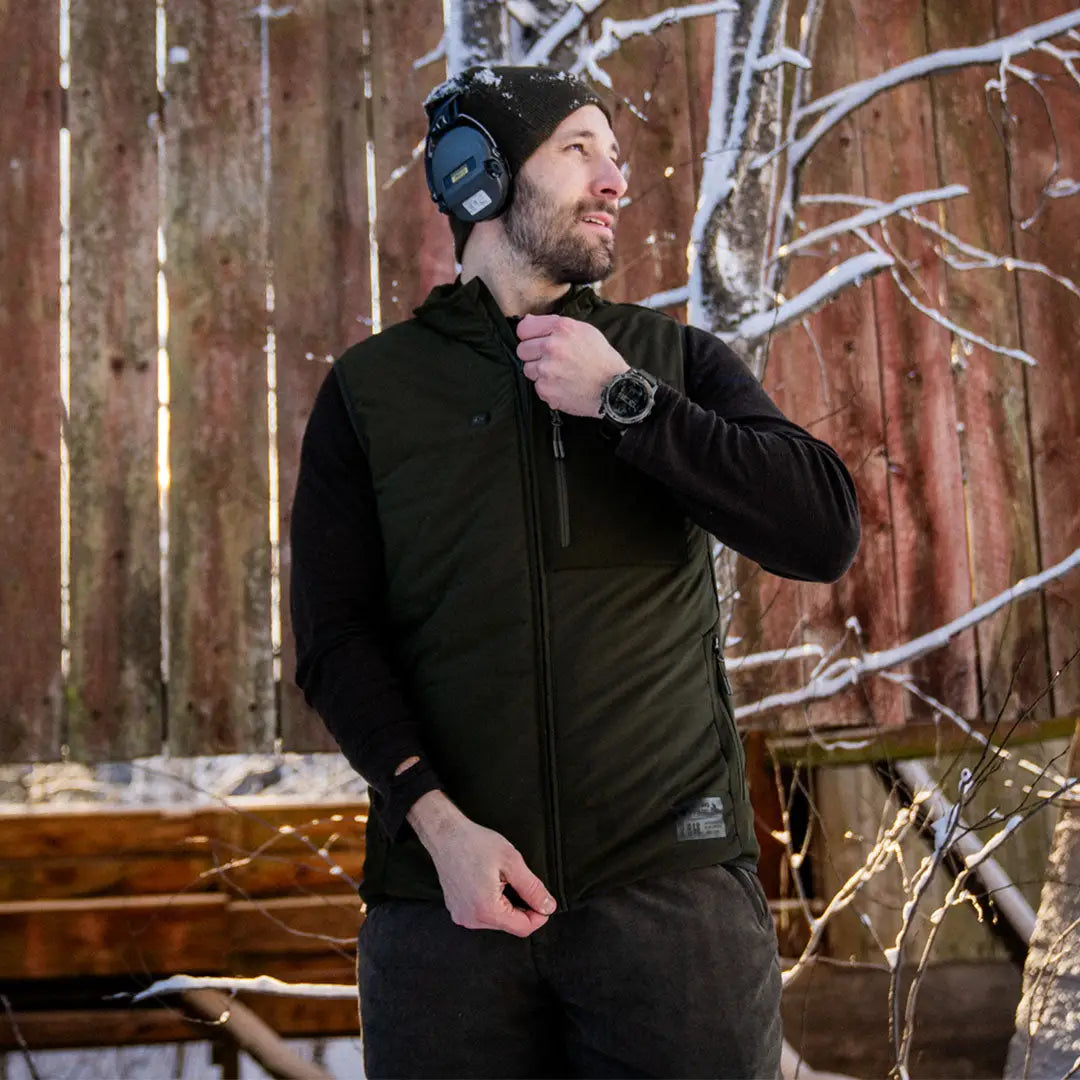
(628, 399)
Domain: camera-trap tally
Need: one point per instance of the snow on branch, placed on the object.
(260, 984)
(438, 53)
(785, 55)
(981, 259)
(846, 100)
(852, 271)
(846, 672)
(955, 328)
(878, 212)
(667, 298)
(614, 32)
(560, 30)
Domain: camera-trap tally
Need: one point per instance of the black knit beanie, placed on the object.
(520, 106)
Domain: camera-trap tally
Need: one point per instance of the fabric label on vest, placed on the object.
(701, 820)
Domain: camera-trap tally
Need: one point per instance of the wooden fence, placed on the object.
(262, 168)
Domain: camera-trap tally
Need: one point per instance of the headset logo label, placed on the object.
(475, 203)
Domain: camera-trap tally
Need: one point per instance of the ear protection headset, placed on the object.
(466, 174)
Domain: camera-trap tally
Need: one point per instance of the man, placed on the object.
(505, 613)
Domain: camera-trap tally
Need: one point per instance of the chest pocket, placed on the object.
(602, 513)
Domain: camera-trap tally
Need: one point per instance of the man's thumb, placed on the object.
(529, 887)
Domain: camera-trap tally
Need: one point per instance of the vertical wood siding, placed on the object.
(964, 459)
(114, 690)
(319, 250)
(1050, 325)
(30, 408)
(220, 686)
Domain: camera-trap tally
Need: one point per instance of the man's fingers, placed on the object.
(529, 887)
(534, 326)
(517, 921)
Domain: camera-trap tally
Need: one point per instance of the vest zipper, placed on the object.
(557, 885)
(560, 478)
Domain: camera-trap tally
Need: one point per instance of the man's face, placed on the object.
(566, 201)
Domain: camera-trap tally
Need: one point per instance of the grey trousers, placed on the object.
(676, 976)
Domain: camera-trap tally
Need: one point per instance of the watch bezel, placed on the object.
(636, 375)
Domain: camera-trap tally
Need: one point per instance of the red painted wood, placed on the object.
(220, 683)
(415, 247)
(651, 118)
(29, 372)
(837, 396)
(923, 453)
(114, 695)
(1050, 321)
(990, 393)
(319, 247)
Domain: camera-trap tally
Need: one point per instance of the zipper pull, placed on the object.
(718, 652)
(556, 435)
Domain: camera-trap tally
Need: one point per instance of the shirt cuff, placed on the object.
(404, 789)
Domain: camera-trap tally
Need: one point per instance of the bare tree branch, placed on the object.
(848, 671)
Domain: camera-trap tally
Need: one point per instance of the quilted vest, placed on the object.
(553, 618)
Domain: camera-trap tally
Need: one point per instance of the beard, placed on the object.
(550, 237)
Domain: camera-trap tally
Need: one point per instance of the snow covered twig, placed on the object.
(852, 271)
(878, 212)
(848, 671)
(560, 30)
(846, 100)
(260, 984)
(614, 32)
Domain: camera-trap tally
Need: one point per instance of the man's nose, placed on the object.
(610, 182)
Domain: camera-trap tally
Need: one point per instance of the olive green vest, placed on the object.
(553, 618)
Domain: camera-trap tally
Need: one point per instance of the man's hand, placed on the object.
(475, 865)
(569, 361)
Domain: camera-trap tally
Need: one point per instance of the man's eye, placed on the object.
(580, 147)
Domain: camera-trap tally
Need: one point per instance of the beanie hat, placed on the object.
(520, 107)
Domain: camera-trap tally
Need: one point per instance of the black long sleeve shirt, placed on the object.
(732, 461)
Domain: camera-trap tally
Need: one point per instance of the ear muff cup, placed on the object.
(466, 174)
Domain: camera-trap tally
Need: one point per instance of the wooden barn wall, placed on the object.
(960, 454)
(245, 174)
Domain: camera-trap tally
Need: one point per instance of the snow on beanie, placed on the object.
(520, 106)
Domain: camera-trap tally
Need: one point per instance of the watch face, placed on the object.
(628, 397)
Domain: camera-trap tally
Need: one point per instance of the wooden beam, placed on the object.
(111, 936)
(34, 832)
(291, 925)
(864, 745)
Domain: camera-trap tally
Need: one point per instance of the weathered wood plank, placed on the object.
(245, 824)
(319, 249)
(929, 528)
(70, 878)
(30, 373)
(866, 745)
(851, 807)
(838, 1018)
(295, 925)
(990, 393)
(826, 376)
(130, 936)
(651, 118)
(1049, 318)
(415, 247)
(221, 694)
(114, 687)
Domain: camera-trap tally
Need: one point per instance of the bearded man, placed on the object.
(505, 613)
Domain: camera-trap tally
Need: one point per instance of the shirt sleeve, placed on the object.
(338, 603)
(741, 470)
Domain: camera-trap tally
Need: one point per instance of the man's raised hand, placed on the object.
(475, 865)
(569, 362)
